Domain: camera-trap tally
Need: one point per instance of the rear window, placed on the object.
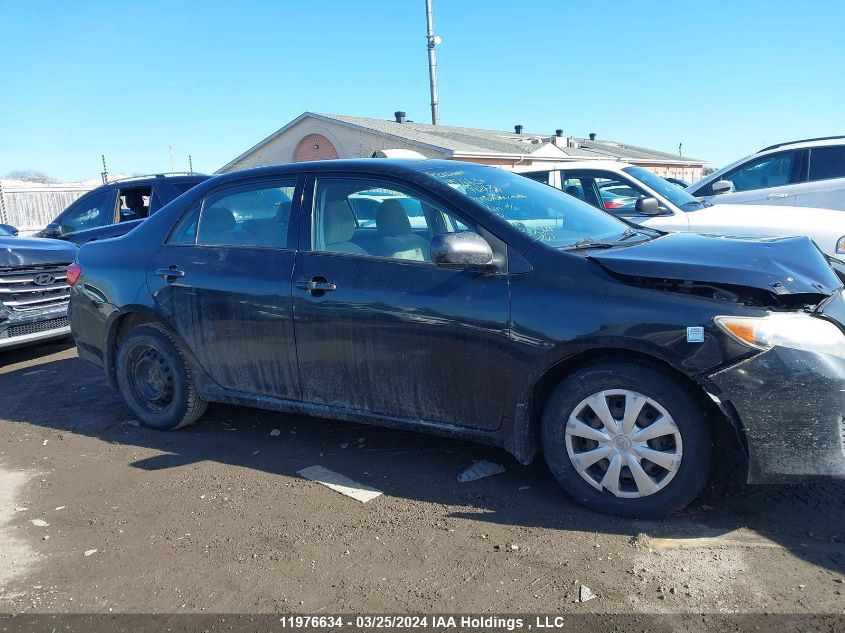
(827, 162)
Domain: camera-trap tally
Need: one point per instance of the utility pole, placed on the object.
(190, 164)
(170, 147)
(105, 174)
(680, 148)
(433, 40)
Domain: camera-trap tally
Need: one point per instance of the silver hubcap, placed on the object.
(624, 442)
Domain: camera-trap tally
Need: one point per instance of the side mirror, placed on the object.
(646, 205)
(466, 249)
(8, 228)
(52, 230)
(722, 186)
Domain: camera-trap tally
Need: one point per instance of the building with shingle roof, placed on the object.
(316, 136)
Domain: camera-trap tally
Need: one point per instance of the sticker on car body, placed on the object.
(695, 334)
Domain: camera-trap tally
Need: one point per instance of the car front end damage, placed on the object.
(784, 302)
(790, 397)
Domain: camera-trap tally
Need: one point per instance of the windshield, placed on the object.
(545, 213)
(673, 193)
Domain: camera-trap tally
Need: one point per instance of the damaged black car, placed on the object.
(471, 302)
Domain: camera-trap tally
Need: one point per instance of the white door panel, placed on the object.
(824, 194)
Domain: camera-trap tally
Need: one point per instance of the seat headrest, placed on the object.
(217, 220)
(572, 190)
(134, 200)
(338, 222)
(392, 220)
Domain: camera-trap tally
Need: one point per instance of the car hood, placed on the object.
(25, 251)
(778, 265)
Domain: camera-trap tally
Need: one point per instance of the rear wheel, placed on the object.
(155, 379)
(625, 438)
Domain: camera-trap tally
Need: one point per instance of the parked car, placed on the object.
(33, 288)
(661, 205)
(118, 207)
(809, 173)
(518, 316)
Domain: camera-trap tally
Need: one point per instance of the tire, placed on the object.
(614, 487)
(156, 380)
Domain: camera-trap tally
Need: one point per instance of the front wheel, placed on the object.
(625, 438)
(155, 379)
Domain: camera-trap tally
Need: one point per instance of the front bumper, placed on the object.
(791, 405)
(18, 329)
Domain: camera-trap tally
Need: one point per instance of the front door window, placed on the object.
(89, 212)
(377, 219)
(772, 170)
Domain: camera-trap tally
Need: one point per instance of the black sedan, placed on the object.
(477, 304)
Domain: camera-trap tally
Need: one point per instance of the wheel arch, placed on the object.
(127, 320)
(725, 424)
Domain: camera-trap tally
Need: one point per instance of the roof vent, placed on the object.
(592, 136)
(558, 132)
(517, 129)
(400, 116)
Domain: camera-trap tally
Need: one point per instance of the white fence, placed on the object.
(31, 206)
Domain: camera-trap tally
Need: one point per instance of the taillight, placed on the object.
(74, 272)
(610, 204)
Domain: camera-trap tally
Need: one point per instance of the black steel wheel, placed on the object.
(155, 379)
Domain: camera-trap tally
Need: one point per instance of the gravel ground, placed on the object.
(98, 515)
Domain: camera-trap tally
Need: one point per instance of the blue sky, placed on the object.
(210, 79)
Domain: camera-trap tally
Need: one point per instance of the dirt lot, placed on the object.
(214, 518)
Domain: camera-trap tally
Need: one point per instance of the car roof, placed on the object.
(382, 166)
(807, 142)
(150, 179)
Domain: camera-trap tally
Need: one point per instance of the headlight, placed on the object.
(795, 331)
(840, 245)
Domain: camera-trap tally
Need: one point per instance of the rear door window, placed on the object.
(827, 162)
(251, 215)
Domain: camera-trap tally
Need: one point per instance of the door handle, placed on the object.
(317, 286)
(774, 196)
(171, 273)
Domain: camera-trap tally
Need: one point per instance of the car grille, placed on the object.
(34, 288)
(37, 326)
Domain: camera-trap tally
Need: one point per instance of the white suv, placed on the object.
(808, 173)
(643, 197)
